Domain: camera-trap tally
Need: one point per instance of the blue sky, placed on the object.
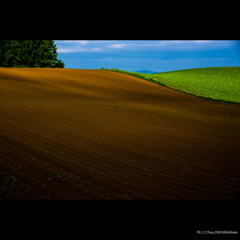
(155, 55)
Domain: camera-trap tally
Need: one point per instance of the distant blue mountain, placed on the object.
(146, 71)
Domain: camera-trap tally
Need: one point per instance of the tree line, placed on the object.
(29, 53)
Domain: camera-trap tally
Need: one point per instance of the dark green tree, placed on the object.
(8, 50)
(29, 53)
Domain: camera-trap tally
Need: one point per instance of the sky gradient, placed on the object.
(154, 55)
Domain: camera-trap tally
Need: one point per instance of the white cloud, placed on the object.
(75, 49)
(197, 44)
(121, 45)
(170, 44)
(64, 50)
(71, 46)
(202, 41)
(96, 49)
(83, 42)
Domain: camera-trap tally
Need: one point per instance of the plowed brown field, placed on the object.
(82, 134)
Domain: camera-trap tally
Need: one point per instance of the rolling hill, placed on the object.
(214, 83)
(89, 134)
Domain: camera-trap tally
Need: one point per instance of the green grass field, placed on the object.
(217, 83)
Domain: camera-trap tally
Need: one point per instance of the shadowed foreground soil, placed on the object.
(82, 134)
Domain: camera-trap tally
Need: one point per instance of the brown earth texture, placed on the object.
(89, 134)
